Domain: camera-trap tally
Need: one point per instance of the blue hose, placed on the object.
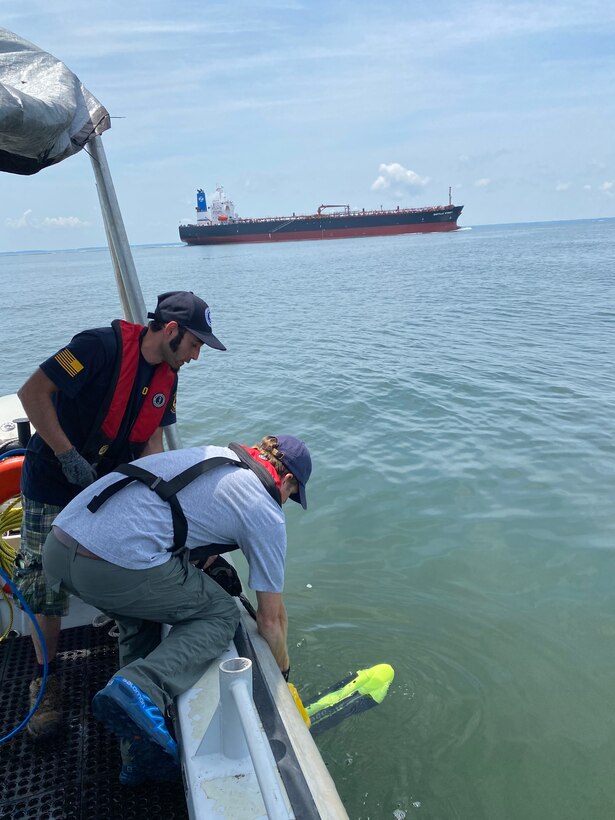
(30, 614)
(18, 451)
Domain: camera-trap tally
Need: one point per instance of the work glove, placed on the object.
(76, 469)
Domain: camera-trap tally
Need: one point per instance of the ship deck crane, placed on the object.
(345, 207)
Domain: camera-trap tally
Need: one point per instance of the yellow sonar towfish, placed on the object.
(351, 696)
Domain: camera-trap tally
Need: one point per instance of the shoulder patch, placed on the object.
(68, 362)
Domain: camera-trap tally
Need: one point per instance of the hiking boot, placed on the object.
(48, 716)
(131, 714)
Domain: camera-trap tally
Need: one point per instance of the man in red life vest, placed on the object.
(98, 402)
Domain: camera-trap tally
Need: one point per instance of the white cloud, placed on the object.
(63, 222)
(396, 178)
(27, 220)
(607, 187)
(482, 183)
(562, 186)
(22, 222)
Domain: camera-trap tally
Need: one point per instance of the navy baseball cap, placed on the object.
(189, 311)
(296, 456)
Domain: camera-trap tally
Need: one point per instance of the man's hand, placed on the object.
(76, 469)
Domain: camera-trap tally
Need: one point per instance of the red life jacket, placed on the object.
(109, 425)
(254, 452)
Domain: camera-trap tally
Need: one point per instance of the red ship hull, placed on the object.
(299, 236)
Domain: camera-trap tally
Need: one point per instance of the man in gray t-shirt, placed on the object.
(120, 554)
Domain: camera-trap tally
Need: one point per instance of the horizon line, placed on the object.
(183, 244)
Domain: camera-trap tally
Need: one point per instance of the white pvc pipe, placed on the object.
(231, 673)
(239, 713)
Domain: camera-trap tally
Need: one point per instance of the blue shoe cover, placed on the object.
(129, 713)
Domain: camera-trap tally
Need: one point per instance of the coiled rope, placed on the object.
(10, 522)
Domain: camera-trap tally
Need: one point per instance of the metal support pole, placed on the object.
(128, 285)
(134, 306)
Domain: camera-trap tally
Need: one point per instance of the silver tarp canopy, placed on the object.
(46, 114)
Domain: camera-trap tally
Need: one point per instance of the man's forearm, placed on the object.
(276, 639)
(272, 623)
(154, 443)
(39, 409)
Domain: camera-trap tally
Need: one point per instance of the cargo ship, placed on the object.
(219, 224)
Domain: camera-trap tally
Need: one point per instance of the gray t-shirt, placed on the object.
(133, 528)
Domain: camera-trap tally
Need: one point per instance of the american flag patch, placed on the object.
(68, 362)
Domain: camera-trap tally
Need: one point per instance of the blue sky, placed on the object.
(292, 104)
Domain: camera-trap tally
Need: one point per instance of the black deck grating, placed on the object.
(73, 776)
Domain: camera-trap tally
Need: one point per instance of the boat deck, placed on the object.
(73, 776)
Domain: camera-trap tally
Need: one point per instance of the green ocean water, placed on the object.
(457, 393)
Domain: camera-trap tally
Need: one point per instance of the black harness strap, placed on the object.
(174, 485)
(167, 490)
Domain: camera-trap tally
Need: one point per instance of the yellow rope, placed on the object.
(10, 606)
(10, 522)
